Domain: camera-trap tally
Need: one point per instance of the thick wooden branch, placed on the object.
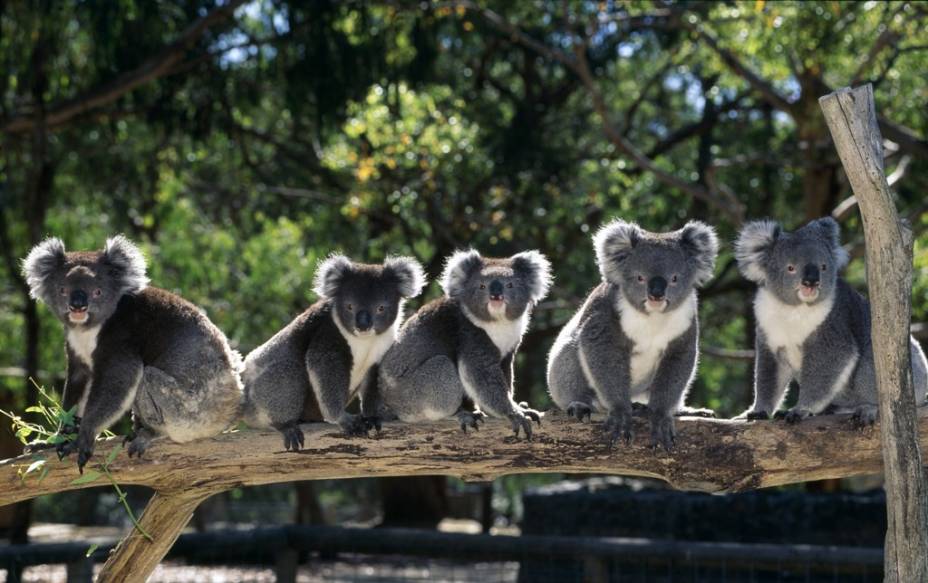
(159, 65)
(711, 455)
(851, 117)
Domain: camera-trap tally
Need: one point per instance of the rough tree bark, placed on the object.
(711, 456)
(851, 117)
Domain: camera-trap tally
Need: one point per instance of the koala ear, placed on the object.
(408, 272)
(702, 247)
(41, 263)
(536, 269)
(121, 253)
(458, 268)
(330, 274)
(830, 231)
(613, 243)
(752, 246)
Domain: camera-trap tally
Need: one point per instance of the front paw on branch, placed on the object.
(522, 419)
(663, 433)
(618, 426)
(359, 425)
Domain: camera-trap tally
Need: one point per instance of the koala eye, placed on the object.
(350, 307)
(483, 286)
(509, 285)
(62, 291)
(791, 268)
(641, 278)
(380, 308)
(824, 267)
(673, 279)
(97, 292)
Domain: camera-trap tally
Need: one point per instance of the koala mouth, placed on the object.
(78, 316)
(655, 305)
(364, 333)
(808, 293)
(496, 307)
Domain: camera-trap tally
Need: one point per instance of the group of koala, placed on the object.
(631, 347)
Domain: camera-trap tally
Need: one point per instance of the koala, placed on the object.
(812, 327)
(464, 343)
(330, 352)
(132, 346)
(635, 338)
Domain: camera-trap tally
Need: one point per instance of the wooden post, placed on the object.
(164, 518)
(851, 117)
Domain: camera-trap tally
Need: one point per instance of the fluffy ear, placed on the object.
(122, 254)
(44, 259)
(613, 243)
(408, 272)
(702, 247)
(536, 269)
(829, 230)
(330, 274)
(752, 246)
(458, 268)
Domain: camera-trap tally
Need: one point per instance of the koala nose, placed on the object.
(496, 290)
(363, 320)
(810, 275)
(78, 300)
(657, 287)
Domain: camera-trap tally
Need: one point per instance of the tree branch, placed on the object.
(152, 69)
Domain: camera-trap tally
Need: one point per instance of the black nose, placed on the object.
(657, 287)
(496, 290)
(78, 300)
(363, 320)
(810, 275)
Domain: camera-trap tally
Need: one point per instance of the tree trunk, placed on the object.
(851, 116)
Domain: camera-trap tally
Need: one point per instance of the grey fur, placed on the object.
(821, 339)
(319, 361)
(622, 347)
(133, 347)
(462, 345)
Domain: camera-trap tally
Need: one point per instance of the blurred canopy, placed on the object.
(239, 142)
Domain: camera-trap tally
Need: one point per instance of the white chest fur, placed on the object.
(83, 341)
(651, 333)
(504, 333)
(786, 327)
(366, 351)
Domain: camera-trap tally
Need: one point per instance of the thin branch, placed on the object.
(152, 69)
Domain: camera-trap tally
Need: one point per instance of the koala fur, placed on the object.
(131, 346)
(464, 343)
(330, 352)
(812, 327)
(635, 338)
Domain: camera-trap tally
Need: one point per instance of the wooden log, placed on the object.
(851, 117)
(712, 455)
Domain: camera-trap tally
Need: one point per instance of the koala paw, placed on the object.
(795, 415)
(83, 445)
(779, 415)
(138, 445)
(472, 419)
(579, 411)
(522, 419)
(865, 416)
(663, 433)
(756, 415)
(618, 425)
(374, 422)
(355, 425)
(694, 412)
(293, 435)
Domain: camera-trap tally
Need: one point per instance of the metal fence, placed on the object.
(317, 553)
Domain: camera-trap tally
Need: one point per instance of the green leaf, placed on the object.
(89, 476)
(90, 551)
(112, 455)
(34, 409)
(34, 466)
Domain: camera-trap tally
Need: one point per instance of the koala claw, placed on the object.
(663, 433)
(293, 435)
(84, 448)
(779, 415)
(357, 425)
(579, 410)
(618, 425)
(471, 419)
(756, 415)
(795, 415)
(531, 413)
(865, 416)
(137, 447)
